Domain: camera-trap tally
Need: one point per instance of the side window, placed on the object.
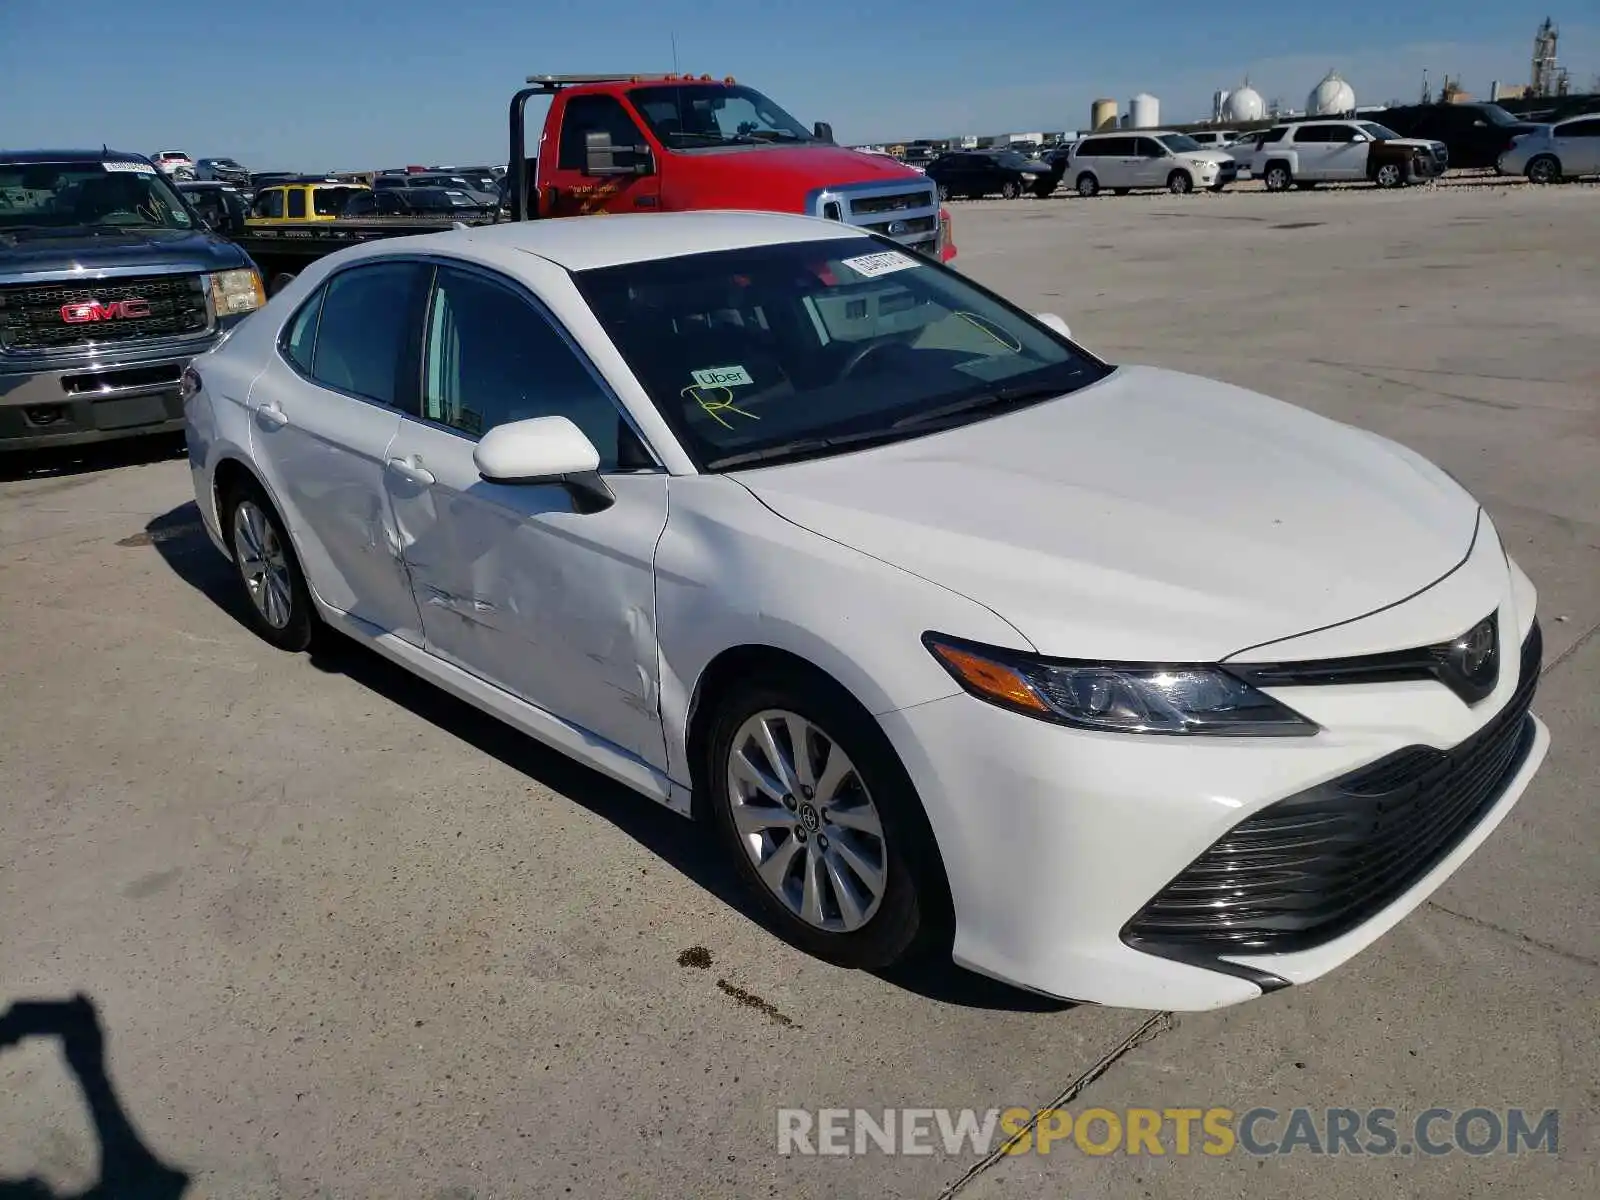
(1090, 148)
(365, 336)
(1273, 135)
(593, 114)
(388, 203)
(1150, 148)
(300, 338)
(360, 205)
(1312, 134)
(297, 202)
(270, 203)
(1580, 129)
(492, 358)
(1342, 133)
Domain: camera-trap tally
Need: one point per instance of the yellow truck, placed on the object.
(302, 201)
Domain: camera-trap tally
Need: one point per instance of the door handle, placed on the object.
(412, 470)
(270, 415)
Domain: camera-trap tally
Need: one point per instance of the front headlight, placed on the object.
(1116, 697)
(234, 292)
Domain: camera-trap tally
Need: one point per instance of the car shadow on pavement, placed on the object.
(129, 1170)
(58, 463)
(181, 540)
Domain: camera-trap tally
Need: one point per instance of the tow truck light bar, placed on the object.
(555, 82)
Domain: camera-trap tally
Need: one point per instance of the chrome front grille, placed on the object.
(905, 212)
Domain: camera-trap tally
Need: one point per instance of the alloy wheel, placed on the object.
(263, 565)
(805, 818)
(1389, 175)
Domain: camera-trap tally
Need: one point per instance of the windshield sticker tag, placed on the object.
(884, 263)
(131, 168)
(715, 408)
(722, 377)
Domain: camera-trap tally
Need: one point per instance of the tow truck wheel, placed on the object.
(279, 281)
(1010, 190)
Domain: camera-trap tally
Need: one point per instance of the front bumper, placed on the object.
(77, 400)
(1055, 841)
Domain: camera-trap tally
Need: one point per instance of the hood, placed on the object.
(767, 176)
(1152, 516)
(157, 249)
(1419, 143)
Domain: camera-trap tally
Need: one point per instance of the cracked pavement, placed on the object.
(350, 938)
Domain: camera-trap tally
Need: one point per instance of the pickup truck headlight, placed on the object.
(234, 292)
(1117, 697)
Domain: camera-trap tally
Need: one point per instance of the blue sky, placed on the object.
(353, 84)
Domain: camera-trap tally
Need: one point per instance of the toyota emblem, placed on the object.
(1475, 654)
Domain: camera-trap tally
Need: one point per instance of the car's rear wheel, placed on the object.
(1546, 168)
(1179, 183)
(1010, 189)
(1087, 185)
(1277, 177)
(279, 602)
(823, 824)
(944, 192)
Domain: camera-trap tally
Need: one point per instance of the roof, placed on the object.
(36, 156)
(580, 243)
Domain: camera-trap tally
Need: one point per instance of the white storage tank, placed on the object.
(1332, 97)
(1144, 111)
(1245, 104)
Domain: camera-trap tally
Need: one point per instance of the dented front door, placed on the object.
(553, 605)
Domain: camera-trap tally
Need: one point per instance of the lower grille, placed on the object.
(898, 202)
(901, 228)
(1310, 868)
(32, 316)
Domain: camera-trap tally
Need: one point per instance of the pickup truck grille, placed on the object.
(904, 212)
(898, 202)
(34, 316)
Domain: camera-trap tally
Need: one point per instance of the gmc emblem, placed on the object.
(96, 310)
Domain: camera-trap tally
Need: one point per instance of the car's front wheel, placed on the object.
(1179, 183)
(1389, 175)
(823, 824)
(279, 608)
(944, 192)
(1010, 189)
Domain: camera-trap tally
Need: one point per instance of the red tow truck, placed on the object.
(668, 143)
(656, 143)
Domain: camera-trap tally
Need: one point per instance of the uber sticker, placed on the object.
(132, 168)
(883, 263)
(723, 377)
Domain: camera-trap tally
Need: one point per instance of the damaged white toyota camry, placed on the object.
(1117, 684)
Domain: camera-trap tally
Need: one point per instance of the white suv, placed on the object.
(1152, 158)
(1307, 153)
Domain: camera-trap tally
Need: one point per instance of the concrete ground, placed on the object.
(348, 938)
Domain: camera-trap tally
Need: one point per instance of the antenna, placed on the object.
(674, 37)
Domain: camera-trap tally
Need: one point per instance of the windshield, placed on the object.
(1179, 143)
(1496, 115)
(687, 116)
(775, 353)
(1382, 132)
(61, 195)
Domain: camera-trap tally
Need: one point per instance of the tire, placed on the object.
(944, 193)
(1179, 183)
(1277, 177)
(277, 601)
(848, 924)
(1087, 185)
(1544, 168)
(1010, 190)
(1389, 175)
(279, 281)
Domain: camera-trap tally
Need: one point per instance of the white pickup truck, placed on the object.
(1307, 153)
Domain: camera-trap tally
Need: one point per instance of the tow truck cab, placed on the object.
(669, 143)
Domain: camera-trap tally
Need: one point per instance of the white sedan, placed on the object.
(1115, 683)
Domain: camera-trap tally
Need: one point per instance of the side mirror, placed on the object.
(822, 131)
(602, 158)
(544, 450)
(1051, 321)
(1361, 137)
